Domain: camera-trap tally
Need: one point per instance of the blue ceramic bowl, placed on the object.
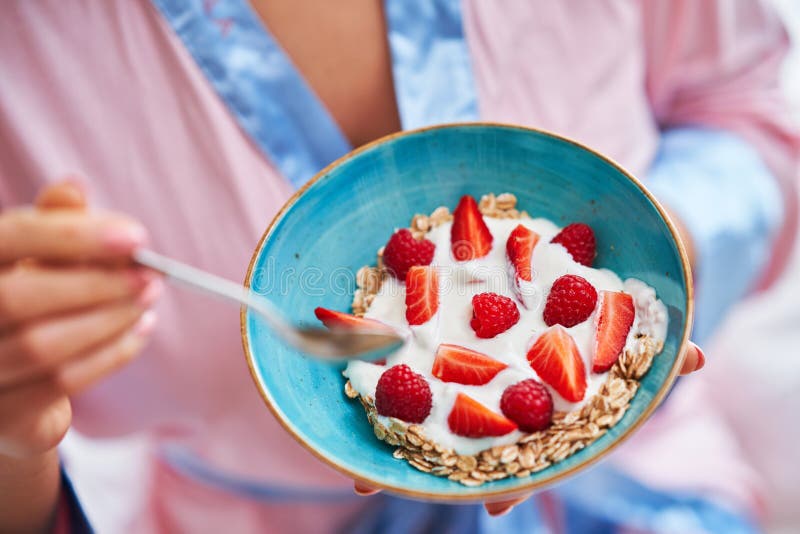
(334, 225)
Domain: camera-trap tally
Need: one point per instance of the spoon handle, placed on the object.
(330, 344)
(210, 283)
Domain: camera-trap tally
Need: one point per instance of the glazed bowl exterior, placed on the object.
(311, 251)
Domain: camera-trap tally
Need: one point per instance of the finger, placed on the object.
(65, 194)
(67, 235)
(76, 376)
(30, 291)
(363, 489)
(38, 427)
(503, 507)
(694, 359)
(36, 349)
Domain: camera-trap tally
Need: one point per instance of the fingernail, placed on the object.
(150, 293)
(364, 492)
(124, 237)
(701, 359)
(77, 181)
(501, 512)
(141, 278)
(146, 323)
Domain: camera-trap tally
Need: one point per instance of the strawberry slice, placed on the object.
(470, 238)
(337, 319)
(471, 419)
(614, 321)
(422, 294)
(461, 365)
(556, 360)
(519, 249)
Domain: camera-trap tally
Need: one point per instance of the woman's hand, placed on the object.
(72, 310)
(693, 361)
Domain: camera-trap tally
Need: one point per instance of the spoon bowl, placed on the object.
(335, 344)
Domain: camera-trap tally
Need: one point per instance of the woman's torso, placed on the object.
(107, 90)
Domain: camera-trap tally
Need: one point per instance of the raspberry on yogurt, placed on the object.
(482, 365)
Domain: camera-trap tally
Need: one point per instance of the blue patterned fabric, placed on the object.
(258, 83)
(603, 500)
(714, 181)
(390, 515)
(433, 78)
(730, 203)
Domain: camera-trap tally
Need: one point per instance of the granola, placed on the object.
(569, 431)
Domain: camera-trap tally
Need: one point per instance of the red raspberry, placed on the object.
(492, 314)
(403, 394)
(571, 301)
(403, 251)
(578, 239)
(529, 404)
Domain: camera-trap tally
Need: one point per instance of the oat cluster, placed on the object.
(569, 432)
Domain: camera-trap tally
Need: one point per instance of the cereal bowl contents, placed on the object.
(475, 363)
(518, 353)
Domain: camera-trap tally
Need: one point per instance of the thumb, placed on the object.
(68, 193)
(694, 359)
(499, 508)
(364, 489)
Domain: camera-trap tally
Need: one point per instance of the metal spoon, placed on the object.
(330, 344)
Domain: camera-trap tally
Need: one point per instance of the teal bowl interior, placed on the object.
(309, 256)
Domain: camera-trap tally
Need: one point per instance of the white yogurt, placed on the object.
(458, 283)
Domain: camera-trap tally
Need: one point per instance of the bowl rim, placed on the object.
(489, 494)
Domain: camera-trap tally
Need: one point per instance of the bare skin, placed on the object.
(353, 79)
(72, 311)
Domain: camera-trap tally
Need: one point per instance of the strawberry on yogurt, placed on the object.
(506, 323)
